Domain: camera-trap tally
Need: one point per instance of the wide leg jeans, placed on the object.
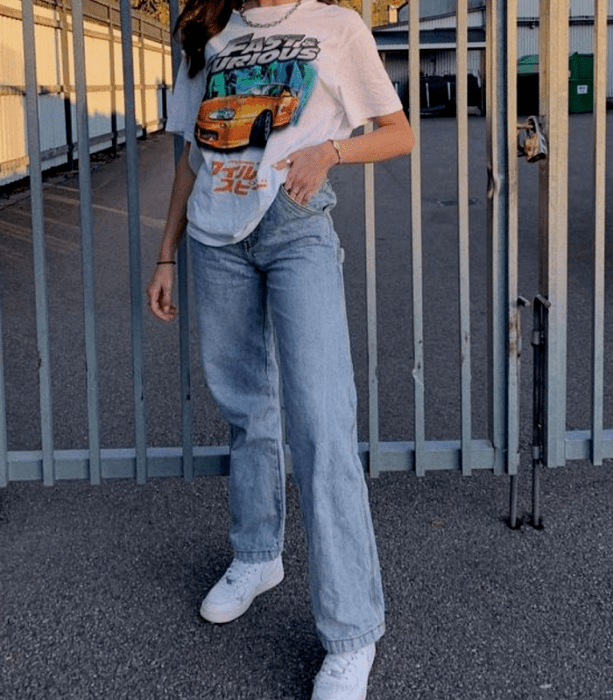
(287, 275)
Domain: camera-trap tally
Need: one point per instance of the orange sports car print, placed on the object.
(245, 119)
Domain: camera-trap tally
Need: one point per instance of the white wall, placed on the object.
(50, 77)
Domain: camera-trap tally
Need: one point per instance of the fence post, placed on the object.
(142, 81)
(65, 88)
(498, 223)
(600, 188)
(416, 243)
(134, 234)
(38, 244)
(113, 81)
(553, 205)
(87, 242)
(182, 264)
(374, 458)
(4, 456)
(463, 235)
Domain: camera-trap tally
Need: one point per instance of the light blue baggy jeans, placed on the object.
(288, 273)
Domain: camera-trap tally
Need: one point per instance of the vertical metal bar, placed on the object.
(554, 47)
(87, 244)
(600, 157)
(4, 457)
(143, 82)
(498, 206)
(513, 498)
(113, 80)
(66, 84)
(463, 232)
(416, 243)
(134, 233)
(371, 297)
(539, 343)
(182, 259)
(162, 86)
(38, 244)
(513, 303)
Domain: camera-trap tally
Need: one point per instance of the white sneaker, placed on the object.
(344, 676)
(232, 595)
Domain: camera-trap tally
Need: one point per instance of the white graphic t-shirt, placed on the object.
(266, 93)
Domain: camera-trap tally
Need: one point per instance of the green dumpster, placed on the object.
(581, 83)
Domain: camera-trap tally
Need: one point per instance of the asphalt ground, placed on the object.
(100, 586)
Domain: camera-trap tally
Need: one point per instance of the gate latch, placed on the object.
(530, 140)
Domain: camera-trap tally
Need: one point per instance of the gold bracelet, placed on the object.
(337, 148)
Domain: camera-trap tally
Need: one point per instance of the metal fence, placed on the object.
(496, 450)
(55, 79)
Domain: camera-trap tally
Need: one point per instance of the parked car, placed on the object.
(247, 118)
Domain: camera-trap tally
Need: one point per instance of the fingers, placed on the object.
(302, 180)
(160, 302)
(307, 171)
(301, 196)
(285, 163)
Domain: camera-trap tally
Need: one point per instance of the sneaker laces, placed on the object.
(338, 665)
(239, 574)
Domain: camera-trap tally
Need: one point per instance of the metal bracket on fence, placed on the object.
(512, 522)
(531, 141)
(541, 307)
(539, 343)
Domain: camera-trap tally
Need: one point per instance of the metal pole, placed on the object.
(113, 81)
(540, 337)
(136, 292)
(515, 304)
(498, 208)
(87, 244)
(419, 391)
(600, 182)
(142, 74)
(65, 88)
(554, 48)
(38, 243)
(513, 503)
(182, 264)
(371, 297)
(4, 457)
(464, 234)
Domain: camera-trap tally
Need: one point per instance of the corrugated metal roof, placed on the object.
(397, 38)
(439, 8)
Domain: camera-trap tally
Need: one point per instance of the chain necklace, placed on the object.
(265, 25)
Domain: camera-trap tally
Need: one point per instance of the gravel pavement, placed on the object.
(100, 586)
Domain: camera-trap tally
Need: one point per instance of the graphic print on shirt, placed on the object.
(253, 87)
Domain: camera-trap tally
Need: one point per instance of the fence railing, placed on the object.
(497, 447)
(56, 85)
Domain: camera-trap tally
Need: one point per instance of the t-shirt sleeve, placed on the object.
(365, 89)
(184, 103)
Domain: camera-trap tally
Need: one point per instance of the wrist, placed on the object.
(336, 146)
(333, 152)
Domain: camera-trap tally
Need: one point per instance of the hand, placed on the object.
(308, 170)
(159, 293)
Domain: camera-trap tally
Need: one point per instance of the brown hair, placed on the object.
(200, 21)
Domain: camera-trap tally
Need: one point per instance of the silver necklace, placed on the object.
(264, 25)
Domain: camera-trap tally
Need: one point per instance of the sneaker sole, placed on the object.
(228, 615)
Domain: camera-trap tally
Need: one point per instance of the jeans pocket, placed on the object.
(323, 201)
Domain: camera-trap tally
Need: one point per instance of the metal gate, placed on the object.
(498, 448)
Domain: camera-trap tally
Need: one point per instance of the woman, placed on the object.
(267, 97)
